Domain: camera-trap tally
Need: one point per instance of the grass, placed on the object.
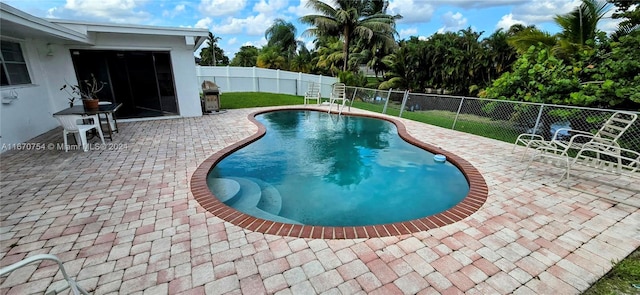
(466, 123)
(239, 100)
(620, 279)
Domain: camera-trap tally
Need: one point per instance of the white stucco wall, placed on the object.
(182, 63)
(31, 113)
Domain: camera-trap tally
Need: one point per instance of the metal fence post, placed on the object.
(453, 127)
(386, 102)
(535, 127)
(404, 102)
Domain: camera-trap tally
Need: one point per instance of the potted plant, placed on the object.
(87, 90)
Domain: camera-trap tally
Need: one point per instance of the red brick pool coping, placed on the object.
(477, 196)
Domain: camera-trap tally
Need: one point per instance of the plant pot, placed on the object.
(90, 104)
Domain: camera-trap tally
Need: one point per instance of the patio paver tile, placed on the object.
(138, 228)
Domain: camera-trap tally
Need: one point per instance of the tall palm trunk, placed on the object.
(345, 49)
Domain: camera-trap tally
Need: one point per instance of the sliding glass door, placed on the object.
(141, 80)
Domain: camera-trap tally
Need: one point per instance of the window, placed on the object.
(14, 67)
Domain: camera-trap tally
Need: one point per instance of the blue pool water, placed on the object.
(318, 169)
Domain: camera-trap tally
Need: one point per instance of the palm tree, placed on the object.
(498, 53)
(301, 62)
(246, 57)
(329, 55)
(351, 19)
(629, 12)
(270, 58)
(580, 25)
(401, 74)
(579, 30)
(283, 35)
(213, 55)
(532, 36)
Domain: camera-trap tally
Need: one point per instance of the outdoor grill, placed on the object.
(211, 98)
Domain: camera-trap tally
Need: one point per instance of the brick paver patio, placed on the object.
(124, 221)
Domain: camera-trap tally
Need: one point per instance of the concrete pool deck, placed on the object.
(123, 220)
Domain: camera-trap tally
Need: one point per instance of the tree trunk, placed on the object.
(345, 49)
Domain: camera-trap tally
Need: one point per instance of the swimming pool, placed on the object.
(312, 174)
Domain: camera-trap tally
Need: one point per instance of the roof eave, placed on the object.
(20, 18)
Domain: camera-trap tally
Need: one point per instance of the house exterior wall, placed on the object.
(182, 63)
(31, 113)
(50, 66)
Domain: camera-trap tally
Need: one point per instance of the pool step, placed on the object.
(271, 201)
(251, 196)
(223, 188)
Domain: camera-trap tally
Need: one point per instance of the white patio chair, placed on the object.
(71, 284)
(608, 134)
(339, 97)
(70, 125)
(313, 93)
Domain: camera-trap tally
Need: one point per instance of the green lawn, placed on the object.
(620, 280)
(466, 123)
(624, 278)
(239, 100)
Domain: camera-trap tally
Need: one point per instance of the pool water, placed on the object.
(313, 168)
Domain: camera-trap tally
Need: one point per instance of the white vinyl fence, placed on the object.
(242, 79)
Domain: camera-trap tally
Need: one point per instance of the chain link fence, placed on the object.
(497, 119)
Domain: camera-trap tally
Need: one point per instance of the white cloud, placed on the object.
(203, 23)
(257, 24)
(175, 11)
(507, 21)
(221, 7)
(231, 26)
(117, 11)
(467, 4)
(301, 9)
(452, 22)
(609, 25)
(412, 11)
(53, 12)
(539, 11)
(256, 43)
(405, 33)
(252, 25)
(232, 41)
(309, 44)
(270, 7)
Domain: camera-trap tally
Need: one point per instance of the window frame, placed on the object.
(23, 64)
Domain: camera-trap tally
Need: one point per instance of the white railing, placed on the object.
(243, 79)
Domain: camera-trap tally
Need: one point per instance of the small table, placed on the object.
(103, 109)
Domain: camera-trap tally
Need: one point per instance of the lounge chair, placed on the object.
(593, 156)
(339, 97)
(313, 93)
(608, 134)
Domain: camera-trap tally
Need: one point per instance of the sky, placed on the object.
(244, 22)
